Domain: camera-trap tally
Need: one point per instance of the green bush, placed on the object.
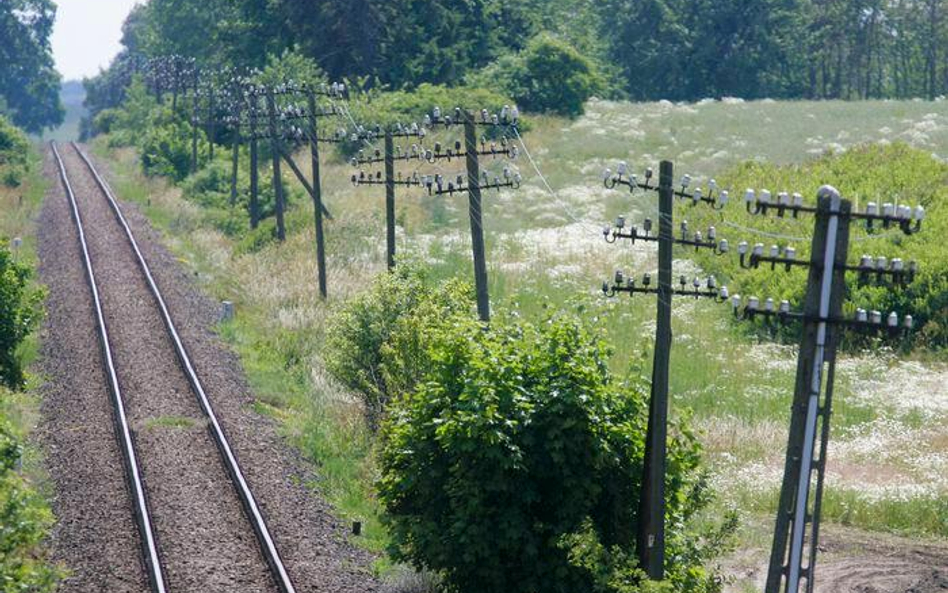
(549, 75)
(210, 185)
(210, 188)
(877, 173)
(291, 65)
(24, 523)
(166, 148)
(20, 311)
(518, 460)
(375, 342)
(14, 153)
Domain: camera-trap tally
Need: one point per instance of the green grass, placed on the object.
(169, 422)
(737, 387)
(30, 492)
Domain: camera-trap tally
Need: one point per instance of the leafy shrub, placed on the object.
(894, 173)
(20, 311)
(24, 522)
(518, 458)
(104, 122)
(549, 75)
(210, 188)
(138, 113)
(166, 149)
(14, 151)
(375, 342)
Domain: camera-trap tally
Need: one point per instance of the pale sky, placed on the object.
(87, 34)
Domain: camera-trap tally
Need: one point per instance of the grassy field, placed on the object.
(889, 453)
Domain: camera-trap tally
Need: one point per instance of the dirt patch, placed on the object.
(853, 561)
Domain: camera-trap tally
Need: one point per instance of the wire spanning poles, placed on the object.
(392, 154)
(164, 73)
(472, 150)
(290, 123)
(793, 555)
(651, 528)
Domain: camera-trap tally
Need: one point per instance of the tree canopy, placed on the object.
(29, 83)
(642, 49)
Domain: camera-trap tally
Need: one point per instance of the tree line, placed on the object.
(29, 83)
(643, 49)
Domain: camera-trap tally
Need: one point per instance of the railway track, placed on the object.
(194, 541)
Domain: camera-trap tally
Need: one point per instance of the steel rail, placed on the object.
(156, 576)
(252, 509)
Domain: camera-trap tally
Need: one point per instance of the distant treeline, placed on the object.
(643, 49)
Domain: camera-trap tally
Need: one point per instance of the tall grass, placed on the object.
(546, 251)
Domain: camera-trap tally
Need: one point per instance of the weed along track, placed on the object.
(201, 529)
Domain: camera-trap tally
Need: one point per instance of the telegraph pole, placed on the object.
(235, 156)
(194, 125)
(277, 177)
(254, 167)
(793, 555)
(390, 199)
(317, 194)
(477, 226)
(809, 414)
(651, 536)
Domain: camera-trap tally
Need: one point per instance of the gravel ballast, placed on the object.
(204, 538)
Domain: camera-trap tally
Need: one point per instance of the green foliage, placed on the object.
(876, 173)
(29, 83)
(210, 188)
(518, 459)
(166, 149)
(290, 65)
(162, 137)
(20, 312)
(549, 75)
(24, 522)
(375, 342)
(14, 154)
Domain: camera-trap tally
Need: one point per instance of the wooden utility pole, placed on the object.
(651, 536)
(235, 156)
(316, 193)
(390, 198)
(477, 227)
(810, 412)
(277, 177)
(211, 123)
(254, 167)
(194, 127)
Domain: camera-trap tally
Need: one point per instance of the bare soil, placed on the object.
(854, 561)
